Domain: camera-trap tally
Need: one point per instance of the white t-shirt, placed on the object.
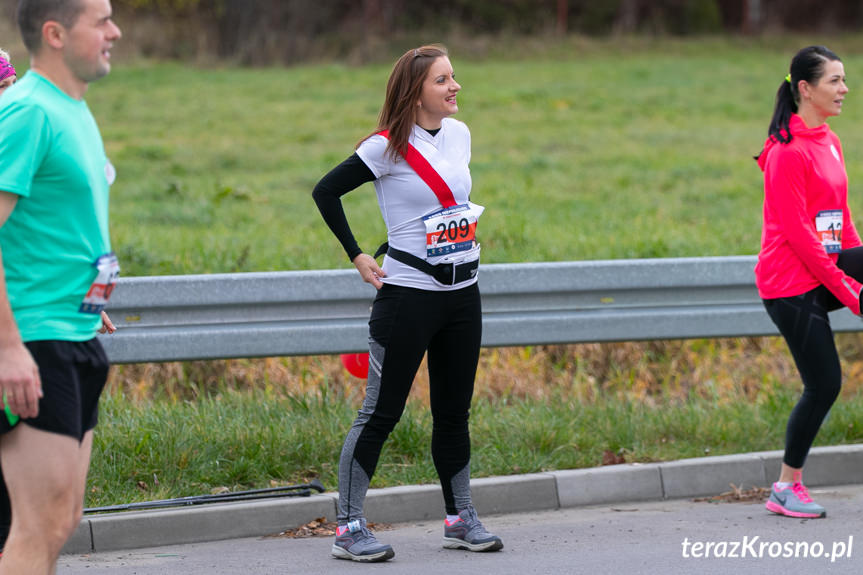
(404, 198)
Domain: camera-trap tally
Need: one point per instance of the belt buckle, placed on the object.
(443, 275)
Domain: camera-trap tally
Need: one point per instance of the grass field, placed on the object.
(581, 150)
(242, 423)
(242, 439)
(594, 153)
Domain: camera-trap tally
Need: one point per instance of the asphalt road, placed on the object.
(642, 538)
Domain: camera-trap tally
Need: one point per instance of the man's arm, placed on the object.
(19, 375)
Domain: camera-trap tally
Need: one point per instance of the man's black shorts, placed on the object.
(73, 375)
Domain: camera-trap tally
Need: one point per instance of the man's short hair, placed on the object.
(32, 15)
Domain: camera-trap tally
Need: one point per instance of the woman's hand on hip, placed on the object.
(369, 269)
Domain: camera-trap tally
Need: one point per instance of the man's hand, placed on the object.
(19, 381)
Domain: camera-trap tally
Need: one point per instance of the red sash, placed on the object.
(427, 173)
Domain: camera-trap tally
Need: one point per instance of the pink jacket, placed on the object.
(806, 217)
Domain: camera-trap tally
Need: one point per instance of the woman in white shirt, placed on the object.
(428, 298)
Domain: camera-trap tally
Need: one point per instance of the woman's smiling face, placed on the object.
(438, 97)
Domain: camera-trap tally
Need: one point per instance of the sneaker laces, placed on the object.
(358, 526)
(801, 492)
(473, 523)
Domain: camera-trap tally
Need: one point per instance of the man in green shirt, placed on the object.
(57, 273)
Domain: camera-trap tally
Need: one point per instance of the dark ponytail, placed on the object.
(786, 104)
(807, 64)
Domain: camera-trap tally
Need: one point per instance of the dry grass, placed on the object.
(721, 369)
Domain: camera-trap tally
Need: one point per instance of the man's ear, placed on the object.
(53, 34)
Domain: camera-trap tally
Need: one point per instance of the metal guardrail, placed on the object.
(168, 318)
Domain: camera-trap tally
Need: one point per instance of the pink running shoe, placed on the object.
(794, 501)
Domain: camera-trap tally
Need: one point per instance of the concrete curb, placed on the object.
(838, 465)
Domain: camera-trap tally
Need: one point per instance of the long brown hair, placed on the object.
(404, 87)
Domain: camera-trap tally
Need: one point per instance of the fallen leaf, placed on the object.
(736, 495)
(611, 458)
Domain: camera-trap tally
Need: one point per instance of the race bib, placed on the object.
(828, 226)
(108, 269)
(451, 230)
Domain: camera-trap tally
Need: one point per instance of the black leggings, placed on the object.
(803, 322)
(405, 322)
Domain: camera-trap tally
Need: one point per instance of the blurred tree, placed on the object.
(627, 17)
(373, 16)
(562, 16)
(261, 31)
(751, 16)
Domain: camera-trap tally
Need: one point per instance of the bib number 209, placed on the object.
(451, 230)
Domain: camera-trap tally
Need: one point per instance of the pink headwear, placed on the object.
(6, 69)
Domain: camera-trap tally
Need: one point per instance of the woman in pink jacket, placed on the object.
(810, 252)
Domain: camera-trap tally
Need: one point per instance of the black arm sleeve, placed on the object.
(345, 177)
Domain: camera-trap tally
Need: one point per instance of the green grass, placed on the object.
(240, 439)
(599, 151)
(581, 150)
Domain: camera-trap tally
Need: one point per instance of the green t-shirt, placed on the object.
(53, 158)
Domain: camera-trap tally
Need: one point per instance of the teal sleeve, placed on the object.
(24, 132)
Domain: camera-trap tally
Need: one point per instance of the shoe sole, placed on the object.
(778, 509)
(452, 543)
(340, 553)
